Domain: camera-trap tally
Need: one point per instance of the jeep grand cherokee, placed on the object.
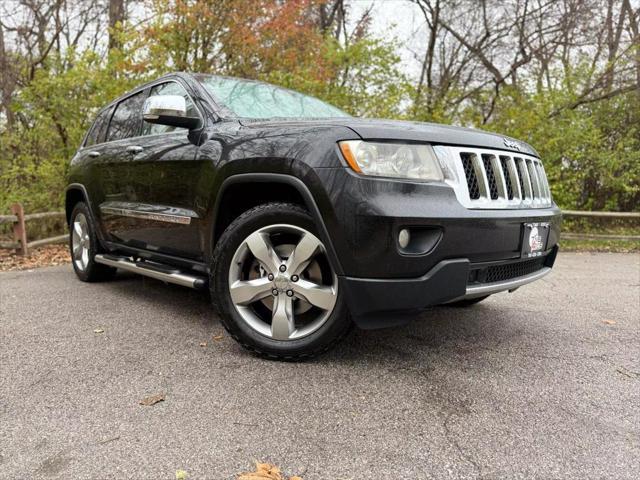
(300, 219)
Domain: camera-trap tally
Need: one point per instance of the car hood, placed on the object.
(375, 129)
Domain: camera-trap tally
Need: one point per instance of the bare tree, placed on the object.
(32, 32)
(483, 46)
(7, 81)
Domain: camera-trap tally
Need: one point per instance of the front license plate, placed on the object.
(534, 240)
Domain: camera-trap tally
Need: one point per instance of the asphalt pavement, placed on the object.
(541, 383)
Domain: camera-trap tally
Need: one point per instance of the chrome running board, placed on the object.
(158, 271)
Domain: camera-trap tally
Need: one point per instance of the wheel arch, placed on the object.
(291, 189)
(75, 194)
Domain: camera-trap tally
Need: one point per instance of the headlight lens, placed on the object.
(397, 160)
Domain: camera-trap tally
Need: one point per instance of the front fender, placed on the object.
(291, 181)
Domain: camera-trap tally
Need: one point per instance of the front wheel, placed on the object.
(274, 286)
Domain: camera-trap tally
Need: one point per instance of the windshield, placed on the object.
(250, 99)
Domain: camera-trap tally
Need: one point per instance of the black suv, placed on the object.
(299, 218)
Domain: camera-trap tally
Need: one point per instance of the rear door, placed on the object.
(90, 157)
(151, 201)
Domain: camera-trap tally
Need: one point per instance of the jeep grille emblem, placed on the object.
(512, 144)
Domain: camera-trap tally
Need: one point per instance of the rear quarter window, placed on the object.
(98, 129)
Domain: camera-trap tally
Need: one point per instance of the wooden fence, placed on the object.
(574, 213)
(600, 215)
(19, 221)
(20, 243)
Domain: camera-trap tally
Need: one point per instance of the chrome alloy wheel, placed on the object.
(80, 242)
(281, 282)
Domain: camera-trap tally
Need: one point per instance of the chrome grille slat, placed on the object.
(522, 175)
(489, 168)
(535, 184)
(515, 179)
(496, 179)
(506, 176)
(526, 179)
(532, 179)
(541, 190)
(545, 181)
(501, 181)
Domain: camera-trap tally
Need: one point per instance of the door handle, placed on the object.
(134, 149)
(94, 154)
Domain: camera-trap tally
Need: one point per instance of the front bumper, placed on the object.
(376, 303)
(363, 216)
(380, 280)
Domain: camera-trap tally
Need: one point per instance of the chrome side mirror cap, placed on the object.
(164, 105)
(168, 110)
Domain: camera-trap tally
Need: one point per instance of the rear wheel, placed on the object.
(83, 245)
(274, 286)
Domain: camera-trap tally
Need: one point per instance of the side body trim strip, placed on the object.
(160, 217)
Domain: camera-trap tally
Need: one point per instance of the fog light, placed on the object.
(403, 238)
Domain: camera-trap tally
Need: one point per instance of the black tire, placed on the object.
(92, 272)
(335, 327)
(467, 303)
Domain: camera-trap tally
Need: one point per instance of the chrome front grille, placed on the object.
(495, 179)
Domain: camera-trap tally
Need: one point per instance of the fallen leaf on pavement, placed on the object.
(181, 475)
(98, 330)
(217, 338)
(265, 471)
(609, 322)
(39, 257)
(203, 344)
(152, 400)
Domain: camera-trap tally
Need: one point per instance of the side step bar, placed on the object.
(158, 271)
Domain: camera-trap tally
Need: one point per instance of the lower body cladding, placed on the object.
(377, 303)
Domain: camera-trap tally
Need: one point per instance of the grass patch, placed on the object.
(600, 226)
(618, 246)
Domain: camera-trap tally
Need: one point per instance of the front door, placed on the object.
(150, 202)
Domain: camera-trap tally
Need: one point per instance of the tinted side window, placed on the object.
(126, 119)
(96, 134)
(169, 88)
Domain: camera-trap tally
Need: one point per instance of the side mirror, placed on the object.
(169, 110)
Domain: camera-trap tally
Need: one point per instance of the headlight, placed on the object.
(398, 160)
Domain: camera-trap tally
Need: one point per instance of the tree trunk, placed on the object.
(116, 16)
(634, 24)
(6, 82)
